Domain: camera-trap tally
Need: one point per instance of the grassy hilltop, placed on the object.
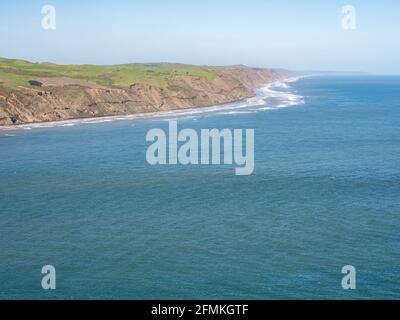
(15, 73)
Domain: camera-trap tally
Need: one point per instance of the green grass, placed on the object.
(15, 73)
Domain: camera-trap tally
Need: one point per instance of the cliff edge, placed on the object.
(38, 92)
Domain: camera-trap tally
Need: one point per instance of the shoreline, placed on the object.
(142, 115)
(99, 119)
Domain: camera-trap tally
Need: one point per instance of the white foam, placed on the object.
(267, 108)
(98, 121)
(284, 97)
(282, 85)
(235, 112)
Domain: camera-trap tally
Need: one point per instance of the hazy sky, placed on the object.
(299, 35)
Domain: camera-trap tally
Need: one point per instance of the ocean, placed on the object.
(325, 193)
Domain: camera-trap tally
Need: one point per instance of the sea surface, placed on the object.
(325, 193)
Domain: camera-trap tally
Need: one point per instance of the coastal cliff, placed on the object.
(38, 92)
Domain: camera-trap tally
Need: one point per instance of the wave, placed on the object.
(98, 121)
(236, 112)
(274, 96)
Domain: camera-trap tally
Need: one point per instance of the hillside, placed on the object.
(37, 92)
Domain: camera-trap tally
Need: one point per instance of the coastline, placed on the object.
(99, 119)
(35, 93)
(154, 115)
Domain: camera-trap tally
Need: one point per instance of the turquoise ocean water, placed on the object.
(325, 193)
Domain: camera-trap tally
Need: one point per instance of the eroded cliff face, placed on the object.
(68, 98)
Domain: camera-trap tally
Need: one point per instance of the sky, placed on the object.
(297, 35)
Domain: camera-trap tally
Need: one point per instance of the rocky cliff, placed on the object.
(48, 96)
